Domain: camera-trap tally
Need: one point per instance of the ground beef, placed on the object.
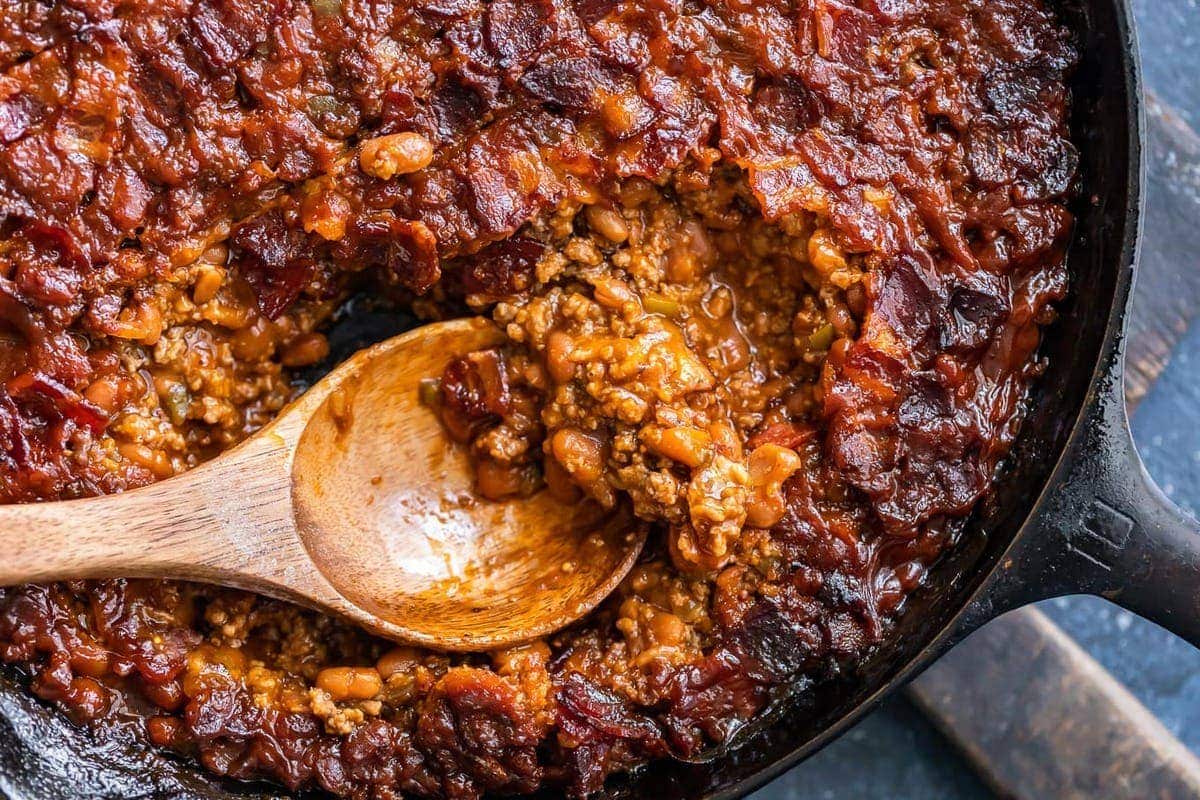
(771, 272)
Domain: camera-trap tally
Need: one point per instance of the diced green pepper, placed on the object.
(323, 104)
(428, 390)
(821, 338)
(177, 402)
(657, 304)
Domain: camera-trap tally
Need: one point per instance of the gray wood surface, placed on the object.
(1168, 291)
(1041, 719)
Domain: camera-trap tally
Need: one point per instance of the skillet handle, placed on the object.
(1106, 529)
(1155, 546)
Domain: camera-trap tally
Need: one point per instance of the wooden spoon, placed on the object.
(352, 501)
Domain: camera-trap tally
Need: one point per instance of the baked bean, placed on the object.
(667, 629)
(689, 446)
(823, 252)
(580, 455)
(612, 293)
(637, 192)
(772, 464)
(163, 730)
(207, 284)
(839, 350)
(608, 223)
(168, 696)
(558, 481)
(496, 481)
(104, 393)
(231, 658)
(90, 660)
(521, 658)
(687, 258)
(769, 465)
(726, 439)
(398, 660)
(88, 696)
(255, 342)
(151, 320)
(234, 307)
(398, 154)
(350, 683)
(308, 349)
(841, 319)
(139, 321)
(154, 460)
(620, 113)
(559, 347)
(535, 375)
(215, 255)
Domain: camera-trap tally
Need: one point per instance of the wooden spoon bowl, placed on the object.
(352, 501)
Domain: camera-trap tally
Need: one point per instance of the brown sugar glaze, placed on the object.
(823, 231)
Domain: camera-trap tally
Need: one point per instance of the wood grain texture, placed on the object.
(228, 521)
(1034, 713)
(1167, 296)
(1049, 722)
(350, 502)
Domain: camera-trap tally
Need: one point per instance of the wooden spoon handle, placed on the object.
(88, 538)
(214, 523)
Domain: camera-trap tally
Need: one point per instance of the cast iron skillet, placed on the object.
(1076, 512)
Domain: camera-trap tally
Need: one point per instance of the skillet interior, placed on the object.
(41, 755)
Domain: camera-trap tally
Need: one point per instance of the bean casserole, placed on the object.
(773, 272)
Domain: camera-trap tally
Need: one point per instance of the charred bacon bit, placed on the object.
(474, 391)
(712, 699)
(790, 435)
(502, 267)
(64, 400)
(601, 728)
(47, 267)
(479, 730)
(14, 447)
(407, 249)
(276, 261)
